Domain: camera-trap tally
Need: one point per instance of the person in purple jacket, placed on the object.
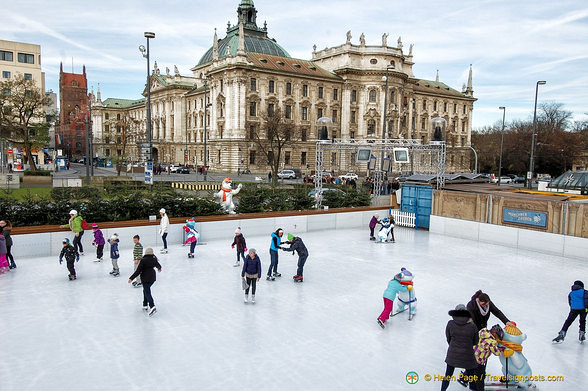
(252, 272)
(373, 222)
(99, 242)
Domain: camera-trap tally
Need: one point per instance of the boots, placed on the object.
(582, 336)
(253, 299)
(246, 300)
(560, 337)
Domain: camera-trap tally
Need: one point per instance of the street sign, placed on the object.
(149, 173)
(529, 175)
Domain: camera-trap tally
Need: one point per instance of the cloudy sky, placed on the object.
(510, 44)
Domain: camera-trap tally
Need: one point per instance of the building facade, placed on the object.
(369, 92)
(18, 58)
(74, 113)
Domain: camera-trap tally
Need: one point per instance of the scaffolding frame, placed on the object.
(423, 159)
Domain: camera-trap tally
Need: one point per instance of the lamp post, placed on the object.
(145, 52)
(385, 116)
(531, 161)
(501, 142)
(206, 106)
(476, 159)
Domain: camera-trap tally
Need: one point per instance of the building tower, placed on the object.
(74, 108)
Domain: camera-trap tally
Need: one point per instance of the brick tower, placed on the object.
(73, 110)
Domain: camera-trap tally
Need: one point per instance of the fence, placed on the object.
(403, 219)
(196, 186)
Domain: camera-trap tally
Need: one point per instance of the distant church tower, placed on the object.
(73, 109)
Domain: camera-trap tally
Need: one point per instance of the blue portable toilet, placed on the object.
(418, 199)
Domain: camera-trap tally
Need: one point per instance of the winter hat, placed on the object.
(377, 216)
(73, 212)
(290, 236)
(252, 250)
(149, 251)
(94, 226)
(398, 277)
(513, 330)
(497, 331)
(460, 310)
(114, 237)
(405, 272)
(162, 210)
(238, 231)
(66, 240)
(578, 282)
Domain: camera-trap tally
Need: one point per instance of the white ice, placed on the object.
(322, 334)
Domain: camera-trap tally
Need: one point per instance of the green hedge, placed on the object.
(37, 173)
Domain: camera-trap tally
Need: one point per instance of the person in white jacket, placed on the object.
(163, 227)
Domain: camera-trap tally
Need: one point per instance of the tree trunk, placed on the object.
(30, 159)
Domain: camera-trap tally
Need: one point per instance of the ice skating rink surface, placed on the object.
(91, 334)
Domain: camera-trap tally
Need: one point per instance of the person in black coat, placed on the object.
(252, 272)
(71, 255)
(480, 308)
(462, 336)
(146, 269)
(296, 244)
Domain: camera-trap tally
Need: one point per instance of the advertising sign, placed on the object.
(525, 217)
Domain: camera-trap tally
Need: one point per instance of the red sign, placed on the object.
(9, 151)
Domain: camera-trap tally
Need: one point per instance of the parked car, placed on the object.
(297, 172)
(349, 176)
(517, 179)
(503, 179)
(173, 168)
(287, 174)
(322, 193)
(182, 170)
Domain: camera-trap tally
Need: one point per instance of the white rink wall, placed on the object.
(50, 243)
(520, 238)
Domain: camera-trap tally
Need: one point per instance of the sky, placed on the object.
(510, 44)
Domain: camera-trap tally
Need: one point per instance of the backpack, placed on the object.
(85, 225)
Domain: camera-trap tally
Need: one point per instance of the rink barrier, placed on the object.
(42, 241)
(403, 219)
(196, 186)
(519, 238)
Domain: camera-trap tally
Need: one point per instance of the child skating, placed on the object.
(390, 293)
(239, 241)
(145, 269)
(578, 302)
(71, 255)
(191, 235)
(272, 272)
(251, 273)
(296, 244)
(137, 255)
(373, 222)
(98, 242)
(114, 255)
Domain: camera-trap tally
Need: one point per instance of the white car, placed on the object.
(287, 174)
(349, 176)
(503, 179)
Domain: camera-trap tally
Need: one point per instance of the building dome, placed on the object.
(256, 39)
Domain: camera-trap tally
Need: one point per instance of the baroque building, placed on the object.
(366, 90)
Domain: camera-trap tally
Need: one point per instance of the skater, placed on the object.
(480, 307)
(487, 345)
(390, 293)
(296, 244)
(274, 246)
(392, 222)
(114, 255)
(163, 228)
(578, 302)
(98, 242)
(75, 224)
(373, 222)
(5, 230)
(239, 241)
(191, 235)
(4, 266)
(137, 255)
(147, 276)
(251, 272)
(71, 255)
(462, 336)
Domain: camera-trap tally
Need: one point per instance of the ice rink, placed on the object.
(91, 334)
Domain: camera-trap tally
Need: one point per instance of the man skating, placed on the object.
(296, 244)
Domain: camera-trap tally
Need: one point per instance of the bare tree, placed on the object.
(22, 115)
(273, 136)
(123, 132)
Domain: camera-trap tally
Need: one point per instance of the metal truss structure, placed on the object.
(423, 159)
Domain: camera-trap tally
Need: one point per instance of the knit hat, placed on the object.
(94, 226)
(114, 236)
(513, 330)
(376, 216)
(66, 240)
(578, 282)
(252, 250)
(238, 231)
(460, 310)
(73, 212)
(405, 272)
(149, 251)
(162, 210)
(497, 331)
(290, 236)
(398, 277)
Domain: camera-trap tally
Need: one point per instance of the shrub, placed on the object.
(37, 173)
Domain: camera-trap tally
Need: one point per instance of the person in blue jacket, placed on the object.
(272, 272)
(578, 301)
(390, 293)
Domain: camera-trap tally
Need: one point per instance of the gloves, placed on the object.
(60, 261)
(232, 246)
(246, 251)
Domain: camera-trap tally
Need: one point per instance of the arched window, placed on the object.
(371, 130)
(372, 96)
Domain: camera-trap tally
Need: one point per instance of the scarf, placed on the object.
(517, 347)
(483, 310)
(225, 191)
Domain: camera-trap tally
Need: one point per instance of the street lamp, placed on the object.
(206, 106)
(145, 52)
(501, 142)
(531, 161)
(385, 116)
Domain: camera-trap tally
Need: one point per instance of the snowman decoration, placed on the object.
(406, 296)
(517, 365)
(226, 194)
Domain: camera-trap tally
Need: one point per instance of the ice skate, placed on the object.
(98, 260)
(81, 253)
(372, 238)
(152, 311)
(134, 284)
(138, 285)
(70, 277)
(237, 264)
(381, 323)
(145, 308)
(582, 336)
(112, 272)
(116, 274)
(163, 251)
(298, 279)
(253, 299)
(246, 299)
(270, 278)
(277, 275)
(560, 337)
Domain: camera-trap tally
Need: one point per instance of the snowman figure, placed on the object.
(226, 194)
(383, 233)
(517, 363)
(406, 295)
